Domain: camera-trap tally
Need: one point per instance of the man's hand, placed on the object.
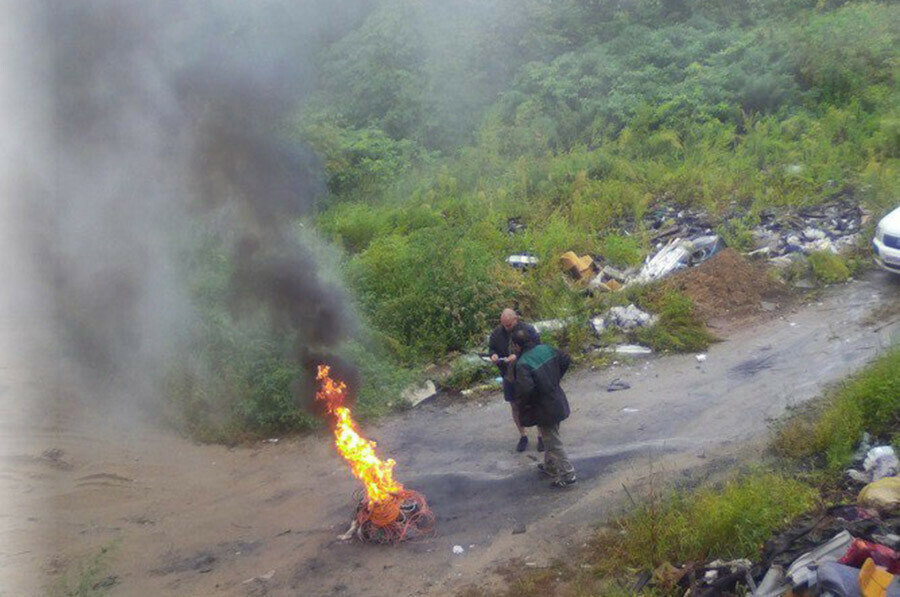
(494, 358)
(511, 358)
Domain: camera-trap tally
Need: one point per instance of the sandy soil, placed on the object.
(188, 519)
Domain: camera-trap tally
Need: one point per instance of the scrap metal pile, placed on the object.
(386, 512)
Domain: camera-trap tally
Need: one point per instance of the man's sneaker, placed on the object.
(540, 444)
(551, 472)
(523, 443)
(564, 482)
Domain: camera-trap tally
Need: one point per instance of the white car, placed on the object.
(887, 242)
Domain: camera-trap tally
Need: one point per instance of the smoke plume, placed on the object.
(155, 117)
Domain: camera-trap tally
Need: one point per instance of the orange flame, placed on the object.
(376, 475)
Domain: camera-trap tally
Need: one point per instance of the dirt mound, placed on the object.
(729, 288)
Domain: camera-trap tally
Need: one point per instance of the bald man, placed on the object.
(504, 357)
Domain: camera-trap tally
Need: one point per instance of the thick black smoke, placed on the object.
(161, 114)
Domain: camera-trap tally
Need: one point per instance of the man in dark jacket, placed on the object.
(542, 402)
(503, 356)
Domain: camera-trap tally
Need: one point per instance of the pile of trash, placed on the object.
(623, 318)
(847, 550)
(678, 254)
(833, 227)
(668, 222)
(684, 238)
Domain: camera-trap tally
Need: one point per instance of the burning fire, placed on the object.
(376, 475)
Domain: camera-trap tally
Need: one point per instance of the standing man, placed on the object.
(503, 356)
(542, 402)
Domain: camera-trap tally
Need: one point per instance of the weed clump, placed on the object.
(828, 268)
(869, 401)
(731, 521)
(678, 329)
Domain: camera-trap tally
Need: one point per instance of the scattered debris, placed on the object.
(828, 227)
(704, 247)
(627, 349)
(611, 273)
(675, 255)
(514, 225)
(624, 318)
(701, 358)
(861, 550)
(458, 549)
(578, 267)
(522, 260)
(610, 279)
(629, 318)
(630, 410)
(772, 584)
(803, 571)
(418, 393)
(880, 462)
(883, 495)
(617, 384)
(669, 222)
(550, 325)
(271, 440)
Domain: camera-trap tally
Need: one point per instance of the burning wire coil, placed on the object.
(404, 517)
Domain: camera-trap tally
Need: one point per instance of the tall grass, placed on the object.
(868, 401)
(731, 521)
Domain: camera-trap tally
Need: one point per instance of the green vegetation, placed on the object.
(869, 401)
(728, 521)
(601, 114)
(828, 268)
(678, 328)
(438, 122)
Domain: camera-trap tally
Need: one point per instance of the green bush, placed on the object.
(828, 268)
(678, 328)
(433, 291)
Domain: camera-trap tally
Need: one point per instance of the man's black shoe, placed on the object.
(540, 444)
(523, 443)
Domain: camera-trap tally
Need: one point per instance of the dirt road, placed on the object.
(186, 519)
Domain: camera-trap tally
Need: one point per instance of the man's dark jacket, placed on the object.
(499, 342)
(542, 401)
